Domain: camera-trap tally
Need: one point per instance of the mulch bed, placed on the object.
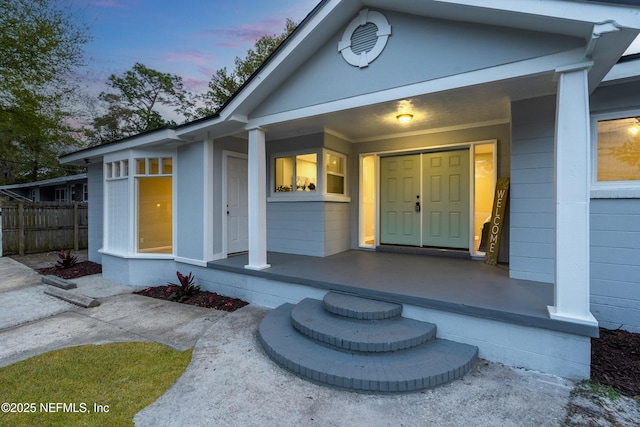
(84, 268)
(615, 360)
(201, 298)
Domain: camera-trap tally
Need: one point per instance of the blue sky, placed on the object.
(190, 38)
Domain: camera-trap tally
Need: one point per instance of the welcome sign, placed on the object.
(497, 221)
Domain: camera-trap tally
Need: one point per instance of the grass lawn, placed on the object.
(89, 385)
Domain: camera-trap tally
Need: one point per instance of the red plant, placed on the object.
(185, 289)
(66, 260)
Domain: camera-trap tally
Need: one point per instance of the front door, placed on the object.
(237, 206)
(445, 185)
(424, 199)
(399, 196)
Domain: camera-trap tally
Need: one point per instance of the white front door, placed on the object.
(237, 206)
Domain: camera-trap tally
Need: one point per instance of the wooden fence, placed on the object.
(42, 227)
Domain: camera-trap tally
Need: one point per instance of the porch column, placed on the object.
(572, 153)
(257, 203)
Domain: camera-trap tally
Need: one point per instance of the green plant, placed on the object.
(66, 260)
(602, 390)
(184, 290)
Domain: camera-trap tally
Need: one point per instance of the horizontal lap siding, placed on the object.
(296, 228)
(308, 228)
(532, 206)
(615, 263)
(337, 229)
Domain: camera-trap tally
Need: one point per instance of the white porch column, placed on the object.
(257, 201)
(572, 153)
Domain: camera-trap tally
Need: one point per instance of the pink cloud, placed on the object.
(239, 35)
(190, 56)
(195, 85)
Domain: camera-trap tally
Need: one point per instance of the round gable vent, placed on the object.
(365, 38)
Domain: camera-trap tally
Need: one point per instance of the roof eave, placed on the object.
(91, 154)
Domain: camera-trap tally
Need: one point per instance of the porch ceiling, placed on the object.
(446, 110)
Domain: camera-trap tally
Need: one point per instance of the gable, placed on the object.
(419, 49)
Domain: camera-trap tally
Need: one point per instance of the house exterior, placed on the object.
(310, 158)
(71, 188)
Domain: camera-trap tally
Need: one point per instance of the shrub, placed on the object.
(66, 260)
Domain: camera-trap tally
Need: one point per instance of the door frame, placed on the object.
(470, 145)
(223, 202)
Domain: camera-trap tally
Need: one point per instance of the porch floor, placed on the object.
(463, 286)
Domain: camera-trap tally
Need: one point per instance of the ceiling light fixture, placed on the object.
(404, 118)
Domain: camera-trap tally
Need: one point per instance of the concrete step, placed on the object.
(73, 298)
(360, 308)
(427, 365)
(311, 320)
(58, 282)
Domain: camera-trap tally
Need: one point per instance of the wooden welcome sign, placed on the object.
(497, 221)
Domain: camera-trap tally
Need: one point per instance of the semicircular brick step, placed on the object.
(428, 363)
(388, 334)
(360, 308)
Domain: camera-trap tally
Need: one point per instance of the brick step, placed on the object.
(311, 319)
(360, 308)
(428, 365)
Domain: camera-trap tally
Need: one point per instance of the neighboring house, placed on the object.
(72, 188)
(309, 158)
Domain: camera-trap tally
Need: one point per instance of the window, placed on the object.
(296, 173)
(321, 175)
(618, 150)
(85, 192)
(61, 194)
(335, 165)
(118, 169)
(154, 205)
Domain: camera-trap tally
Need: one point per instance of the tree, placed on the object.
(224, 84)
(134, 107)
(41, 46)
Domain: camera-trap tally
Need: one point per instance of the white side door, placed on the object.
(237, 206)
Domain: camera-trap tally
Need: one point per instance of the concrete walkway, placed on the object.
(231, 382)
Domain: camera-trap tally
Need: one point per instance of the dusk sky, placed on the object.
(190, 38)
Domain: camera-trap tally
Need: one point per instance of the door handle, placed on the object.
(417, 206)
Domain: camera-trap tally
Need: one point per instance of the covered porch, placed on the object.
(461, 286)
